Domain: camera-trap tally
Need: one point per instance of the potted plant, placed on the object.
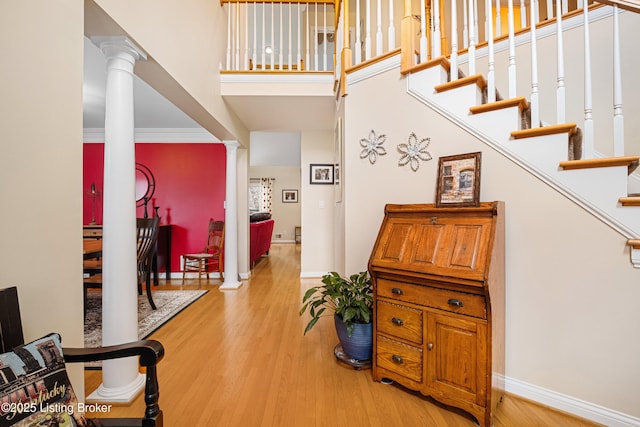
(351, 301)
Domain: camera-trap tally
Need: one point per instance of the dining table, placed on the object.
(92, 248)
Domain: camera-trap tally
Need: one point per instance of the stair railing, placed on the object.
(270, 36)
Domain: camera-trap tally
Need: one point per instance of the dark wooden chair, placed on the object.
(147, 229)
(150, 353)
(147, 247)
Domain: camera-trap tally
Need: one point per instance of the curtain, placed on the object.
(267, 194)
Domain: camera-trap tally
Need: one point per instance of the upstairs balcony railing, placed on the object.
(280, 36)
(328, 36)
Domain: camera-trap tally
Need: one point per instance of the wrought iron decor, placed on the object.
(414, 151)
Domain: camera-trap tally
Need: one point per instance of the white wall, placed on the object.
(41, 167)
(317, 207)
(571, 290)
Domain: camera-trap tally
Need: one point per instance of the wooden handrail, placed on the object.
(630, 5)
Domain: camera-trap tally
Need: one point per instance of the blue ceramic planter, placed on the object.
(358, 346)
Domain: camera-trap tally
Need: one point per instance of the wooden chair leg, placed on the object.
(149, 297)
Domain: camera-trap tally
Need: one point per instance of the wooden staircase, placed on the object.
(599, 185)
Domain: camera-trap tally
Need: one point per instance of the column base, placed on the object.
(228, 285)
(124, 394)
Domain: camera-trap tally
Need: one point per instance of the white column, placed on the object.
(231, 220)
(121, 381)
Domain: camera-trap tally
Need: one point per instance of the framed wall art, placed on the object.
(321, 174)
(289, 196)
(458, 180)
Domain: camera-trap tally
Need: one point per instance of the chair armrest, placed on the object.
(150, 352)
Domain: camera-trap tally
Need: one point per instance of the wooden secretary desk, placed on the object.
(438, 278)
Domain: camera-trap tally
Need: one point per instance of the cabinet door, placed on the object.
(457, 357)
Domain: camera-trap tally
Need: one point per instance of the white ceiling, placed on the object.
(265, 112)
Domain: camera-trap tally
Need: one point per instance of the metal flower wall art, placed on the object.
(372, 147)
(414, 151)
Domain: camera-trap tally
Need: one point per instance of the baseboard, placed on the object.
(571, 405)
(312, 274)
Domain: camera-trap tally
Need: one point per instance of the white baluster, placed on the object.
(475, 21)
(237, 42)
(549, 9)
(465, 25)
(472, 38)
(308, 54)
(618, 118)
(453, 61)
(272, 41)
(245, 59)
(254, 26)
(498, 20)
(423, 32)
(523, 15)
(588, 134)
(367, 36)
(535, 103)
(281, 37)
(229, 36)
(560, 91)
(358, 44)
(436, 50)
(491, 78)
(299, 31)
(392, 28)
(264, 41)
(565, 6)
(290, 57)
(324, 30)
(512, 53)
(315, 42)
(379, 29)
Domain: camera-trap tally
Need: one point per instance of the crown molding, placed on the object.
(156, 135)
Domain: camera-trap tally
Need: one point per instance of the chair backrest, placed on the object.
(215, 241)
(10, 323)
(147, 229)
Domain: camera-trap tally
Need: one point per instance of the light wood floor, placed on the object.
(239, 358)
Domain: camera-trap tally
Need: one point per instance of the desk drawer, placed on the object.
(443, 299)
(400, 358)
(399, 321)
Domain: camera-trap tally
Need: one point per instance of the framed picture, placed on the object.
(289, 196)
(321, 174)
(459, 180)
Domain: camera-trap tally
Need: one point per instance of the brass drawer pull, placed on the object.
(397, 359)
(455, 302)
(396, 291)
(397, 322)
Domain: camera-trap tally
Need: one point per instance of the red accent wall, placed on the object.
(190, 189)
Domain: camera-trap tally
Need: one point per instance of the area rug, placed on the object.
(168, 303)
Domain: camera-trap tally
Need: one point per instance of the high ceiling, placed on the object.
(292, 112)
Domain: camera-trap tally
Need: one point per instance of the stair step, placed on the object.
(569, 128)
(634, 243)
(441, 61)
(465, 81)
(520, 102)
(631, 162)
(629, 201)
